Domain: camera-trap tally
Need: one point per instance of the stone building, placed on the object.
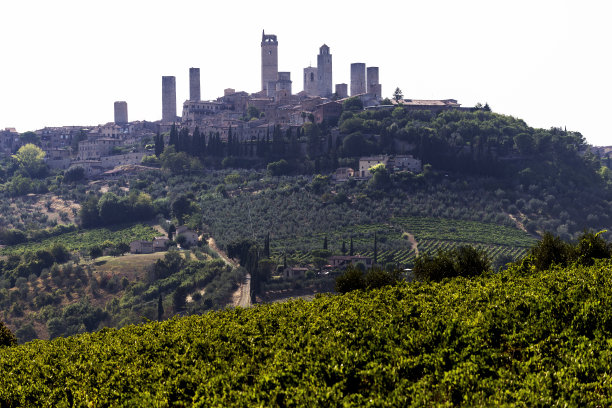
(194, 84)
(374, 87)
(324, 72)
(269, 60)
(310, 81)
(358, 78)
(342, 91)
(283, 82)
(9, 141)
(168, 99)
(121, 113)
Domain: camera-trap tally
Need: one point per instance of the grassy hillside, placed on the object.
(531, 339)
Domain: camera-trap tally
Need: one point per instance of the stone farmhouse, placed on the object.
(393, 163)
(342, 261)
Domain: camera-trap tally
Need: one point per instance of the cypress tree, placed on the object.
(159, 144)
(375, 250)
(173, 137)
(160, 308)
(325, 243)
(351, 250)
(343, 247)
(267, 246)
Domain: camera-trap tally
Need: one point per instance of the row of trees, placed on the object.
(110, 209)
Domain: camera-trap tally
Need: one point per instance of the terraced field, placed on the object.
(432, 235)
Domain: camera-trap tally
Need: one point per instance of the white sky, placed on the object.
(65, 62)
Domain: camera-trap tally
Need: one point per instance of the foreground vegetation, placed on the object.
(517, 337)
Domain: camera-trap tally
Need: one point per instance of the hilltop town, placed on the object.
(236, 116)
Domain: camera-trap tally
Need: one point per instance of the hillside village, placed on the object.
(237, 116)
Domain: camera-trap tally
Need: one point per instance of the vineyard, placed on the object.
(87, 239)
(513, 338)
(432, 234)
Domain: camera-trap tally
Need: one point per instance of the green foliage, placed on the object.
(7, 338)
(86, 239)
(111, 209)
(549, 251)
(278, 168)
(30, 159)
(495, 340)
(352, 104)
(354, 278)
(74, 174)
(465, 261)
(552, 250)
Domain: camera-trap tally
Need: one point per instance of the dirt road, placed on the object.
(242, 295)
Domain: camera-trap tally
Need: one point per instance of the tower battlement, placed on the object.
(269, 59)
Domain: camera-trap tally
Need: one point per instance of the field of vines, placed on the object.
(520, 339)
(87, 239)
(501, 243)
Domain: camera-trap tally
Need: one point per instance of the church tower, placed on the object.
(269, 60)
(324, 71)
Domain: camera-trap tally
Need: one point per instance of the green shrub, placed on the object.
(7, 338)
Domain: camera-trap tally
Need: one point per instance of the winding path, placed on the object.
(413, 243)
(242, 296)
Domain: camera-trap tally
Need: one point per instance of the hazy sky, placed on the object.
(65, 62)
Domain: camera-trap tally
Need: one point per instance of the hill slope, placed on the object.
(532, 339)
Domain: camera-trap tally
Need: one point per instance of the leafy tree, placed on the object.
(112, 209)
(550, 250)
(470, 262)
(30, 159)
(352, 104)
(95, 252)
(592, 246)
(351, 279)
(7, 338)
(278, 168)
(398, 95)
(29, 137)
(88, 213)
(380, 177)
(74, 174)
(463, 261)
(252, 112)
(524, 143)
(183, 206)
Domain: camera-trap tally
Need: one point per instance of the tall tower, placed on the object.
(310, 81)
(269, 59)
(168, 99)
(358, 78)
(121, 116)
(324, 71)
(194, 84)
(374, 87)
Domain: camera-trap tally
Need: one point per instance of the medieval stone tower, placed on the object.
(194, 84)
(324, 71)
(374, 87)
(121, 113)
(168, 99)
(269, 60)
(310, 81)
(358, 78)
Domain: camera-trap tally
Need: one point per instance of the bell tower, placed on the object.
(269, 59)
